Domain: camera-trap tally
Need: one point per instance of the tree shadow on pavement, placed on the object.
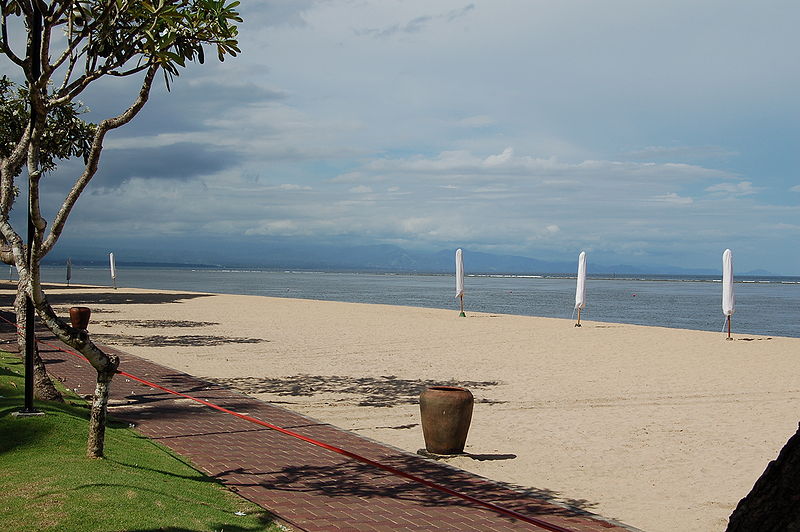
(363, 481)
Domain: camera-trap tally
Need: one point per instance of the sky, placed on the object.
(643, 132)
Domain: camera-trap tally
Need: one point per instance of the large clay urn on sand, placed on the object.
(446, 413)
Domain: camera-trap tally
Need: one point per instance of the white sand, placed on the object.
(662, 429)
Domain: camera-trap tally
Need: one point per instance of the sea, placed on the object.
(765, 305)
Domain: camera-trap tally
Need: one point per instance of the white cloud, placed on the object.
(795, 188)
(466, 166)
(476, 121)
(742, 188)
(674, 198)
(416, 225)
(500, 160)
(491, 189)
(416, 24)
(275, 227)
(293, 187)
(361, 189)
(348, 177)
(681, 152)
(788, 227)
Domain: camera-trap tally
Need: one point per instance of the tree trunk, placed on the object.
(97, 419)
(43, 387)
(774, 502)
(105, 365)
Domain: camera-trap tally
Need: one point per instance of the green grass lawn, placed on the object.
(47, 484)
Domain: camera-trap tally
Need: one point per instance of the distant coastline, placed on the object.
(638, 274)
(372, 258)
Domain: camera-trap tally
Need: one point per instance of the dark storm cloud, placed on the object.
(180, 161)
(187, 107)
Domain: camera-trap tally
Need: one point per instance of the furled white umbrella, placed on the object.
(728, 298)
(580, 290)
(113, 269)
(460, 279)
(69, 270)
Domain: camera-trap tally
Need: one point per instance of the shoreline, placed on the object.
(612, 305)
(659, 428)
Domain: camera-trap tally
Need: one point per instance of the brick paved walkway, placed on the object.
(306, 486)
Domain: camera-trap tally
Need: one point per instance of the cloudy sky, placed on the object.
(641, 131)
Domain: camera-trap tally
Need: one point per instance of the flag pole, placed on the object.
(462, 315)
(579, 318)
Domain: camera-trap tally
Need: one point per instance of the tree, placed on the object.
(774, 501)
(65, 136)
(70, 45)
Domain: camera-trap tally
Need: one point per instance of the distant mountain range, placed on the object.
(327, 257)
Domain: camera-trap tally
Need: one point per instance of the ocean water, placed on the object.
(764, 305)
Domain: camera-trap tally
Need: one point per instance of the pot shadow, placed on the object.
(472, 456)
(489, 457)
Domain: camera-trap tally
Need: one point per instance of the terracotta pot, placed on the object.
(446, 413)
(79, 316)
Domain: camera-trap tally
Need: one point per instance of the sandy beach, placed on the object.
(661, 429)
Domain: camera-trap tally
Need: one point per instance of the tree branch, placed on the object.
(44, 55)
(104, 364)
(70, 92)
(42, 5)
(87, 31)
(14, 244)
(9, 169)
(6, 46)
(56, 11)
(7, 254)
(26, 8)
(129, 72)
(69, 53)
(94, 158)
